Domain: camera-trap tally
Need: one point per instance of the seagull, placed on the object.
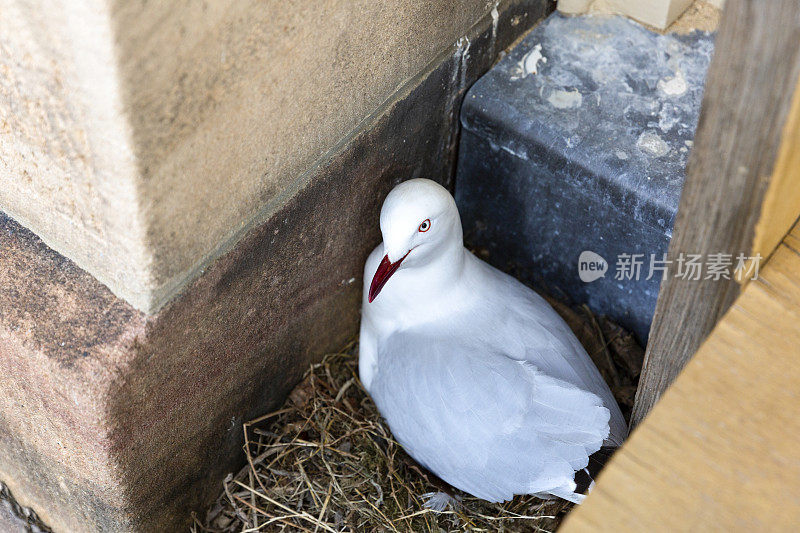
(478, 378)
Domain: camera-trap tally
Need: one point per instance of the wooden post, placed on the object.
(742, 190)
(719, 452)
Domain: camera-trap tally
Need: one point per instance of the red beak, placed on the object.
(382, 275)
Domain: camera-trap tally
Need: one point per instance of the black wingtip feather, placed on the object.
(583, 478)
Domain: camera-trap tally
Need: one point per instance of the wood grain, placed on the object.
(735, 161)
(720, 451)
(782, 200)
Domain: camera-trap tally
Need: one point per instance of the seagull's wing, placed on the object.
(554, 349)
(530, 330)
(487, 424)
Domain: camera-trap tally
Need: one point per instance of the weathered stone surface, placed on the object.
(586, 154)
(68, 165)
(15, 518)
(115, 420)
(144, 139)
(8, 522)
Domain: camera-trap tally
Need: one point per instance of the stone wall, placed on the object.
(117, 419)
(143, 139)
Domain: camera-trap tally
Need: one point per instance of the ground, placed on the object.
(326, 461)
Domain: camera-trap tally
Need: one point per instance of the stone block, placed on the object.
(143, 139)
(112, 419)
(578, 141)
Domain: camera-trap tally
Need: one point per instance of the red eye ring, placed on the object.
(425, 226)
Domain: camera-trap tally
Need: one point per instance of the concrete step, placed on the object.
(578, 141)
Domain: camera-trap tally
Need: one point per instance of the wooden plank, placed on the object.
(657, 13)
(738, 178)
(782, 200)
(720, 451)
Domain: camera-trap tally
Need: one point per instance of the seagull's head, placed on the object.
(420, 224)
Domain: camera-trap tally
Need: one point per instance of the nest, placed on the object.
(326, 461)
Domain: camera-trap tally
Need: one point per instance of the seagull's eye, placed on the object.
(425, 226)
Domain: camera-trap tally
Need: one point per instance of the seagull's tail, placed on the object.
(584, 479)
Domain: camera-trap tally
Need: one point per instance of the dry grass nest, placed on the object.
(326, 461)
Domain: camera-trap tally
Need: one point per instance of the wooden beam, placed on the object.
(742, 190)
(720, 451)
(657, 13)
(782, 200)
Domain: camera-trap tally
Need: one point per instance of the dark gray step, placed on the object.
(587, 153)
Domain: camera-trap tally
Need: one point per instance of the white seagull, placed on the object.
(479, 379)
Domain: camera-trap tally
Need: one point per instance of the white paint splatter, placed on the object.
(652, 144)
(530, 62)
(565, 99)
(461, 57)
(463, 46)
(668, 116)
(674, 86)
(509, 149)
(495, 18)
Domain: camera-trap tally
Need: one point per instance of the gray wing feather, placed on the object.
(531, 330)
(485, 423)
